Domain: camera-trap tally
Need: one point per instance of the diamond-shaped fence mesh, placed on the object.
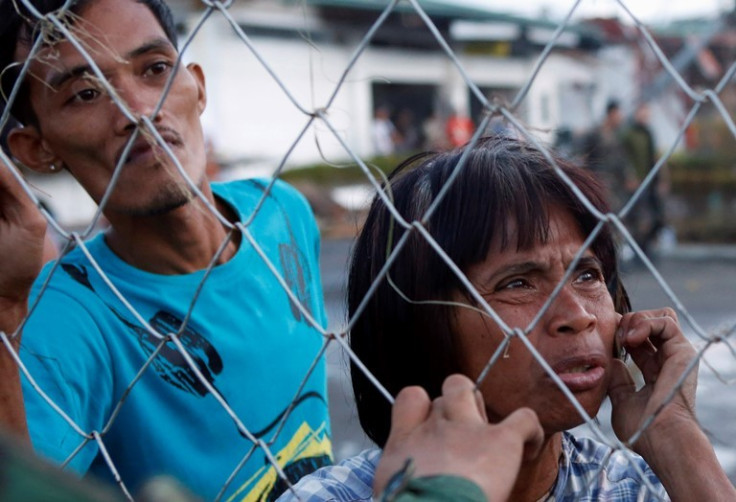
(320, 116)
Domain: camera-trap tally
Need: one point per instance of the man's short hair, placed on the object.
(405, 334)
(19, 26)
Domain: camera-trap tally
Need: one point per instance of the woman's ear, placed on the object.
(28, 147)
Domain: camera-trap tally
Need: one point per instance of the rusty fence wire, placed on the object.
(321, 115)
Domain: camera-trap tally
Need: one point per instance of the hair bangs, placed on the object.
(496, 201)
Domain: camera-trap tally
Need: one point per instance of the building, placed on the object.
(273, 66)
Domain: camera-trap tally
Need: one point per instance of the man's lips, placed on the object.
(581, 373)
(146, 149)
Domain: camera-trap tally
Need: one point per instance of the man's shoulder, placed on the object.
(71, 269)
(271, 199)
(258, 188)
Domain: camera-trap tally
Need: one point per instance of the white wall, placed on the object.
(252, 122)
(249, 117)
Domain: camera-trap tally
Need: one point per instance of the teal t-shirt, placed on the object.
(247, 339)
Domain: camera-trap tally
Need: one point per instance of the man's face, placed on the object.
(616, 117)
(81, 128)
(642, 114)
(575, 335)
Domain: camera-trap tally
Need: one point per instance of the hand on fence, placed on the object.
(452, 436)
(22, 230)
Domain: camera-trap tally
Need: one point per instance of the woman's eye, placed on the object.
(590, 275)
(513, 284)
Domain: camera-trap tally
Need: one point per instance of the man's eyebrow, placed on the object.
(57, 79)
(154, 45)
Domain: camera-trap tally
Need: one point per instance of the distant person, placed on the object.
(408, 132)
(514, 228)
(565, 143)
(384, 134)
(459, 129)
(648, 216)
(498, 126)
(435, 135)
(604, 154)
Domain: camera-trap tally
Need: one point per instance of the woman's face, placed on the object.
(575, 335)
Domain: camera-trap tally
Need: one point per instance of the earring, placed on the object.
(52, 168)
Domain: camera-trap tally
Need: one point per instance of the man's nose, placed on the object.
(140, 101)
(569, 313)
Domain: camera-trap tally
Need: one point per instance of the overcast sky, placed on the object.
(649, 11)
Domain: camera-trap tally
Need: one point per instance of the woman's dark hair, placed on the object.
(19, 26)
(503, 181)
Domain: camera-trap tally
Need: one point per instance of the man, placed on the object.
(231, 376)
(606, 157)
(383, 132)
(647, 217)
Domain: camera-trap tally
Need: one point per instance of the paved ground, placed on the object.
(703, 278)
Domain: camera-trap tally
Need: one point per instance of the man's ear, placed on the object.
(28, 147)
(196, 71)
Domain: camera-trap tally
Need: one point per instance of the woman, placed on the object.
(516, 230)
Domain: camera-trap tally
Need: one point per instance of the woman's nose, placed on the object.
(569, 313)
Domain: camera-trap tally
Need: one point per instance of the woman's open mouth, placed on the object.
(581, 373)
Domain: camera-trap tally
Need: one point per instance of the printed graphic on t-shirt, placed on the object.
(169, 363)
(307, 451)
(294, 264)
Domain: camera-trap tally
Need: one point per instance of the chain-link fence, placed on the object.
(56, 26)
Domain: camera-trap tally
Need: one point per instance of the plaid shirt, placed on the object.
(589, 471)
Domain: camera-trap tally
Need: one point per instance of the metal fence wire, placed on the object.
(56, 24)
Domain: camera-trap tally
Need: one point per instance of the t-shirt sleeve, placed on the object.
(63, 350)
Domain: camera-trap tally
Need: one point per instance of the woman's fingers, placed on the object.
(652, 338)
(665, 358)
(657, 326)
